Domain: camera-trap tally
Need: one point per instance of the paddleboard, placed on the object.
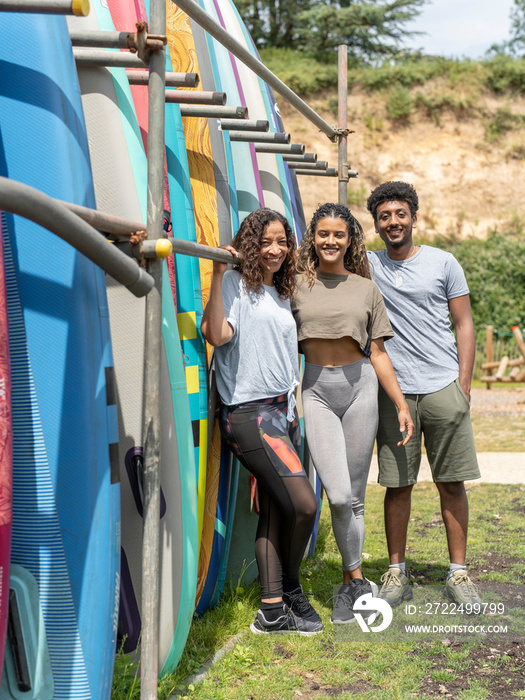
(66, 524)
(275, 196)
(220, 465)
(6, 456)
(120, 177)
(208, 171)
(247, 180)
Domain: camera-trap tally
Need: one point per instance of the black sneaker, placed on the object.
(344, 599)
(286, 623)
(300, 605)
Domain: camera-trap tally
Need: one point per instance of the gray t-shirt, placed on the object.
(416, 293)
(260, 360)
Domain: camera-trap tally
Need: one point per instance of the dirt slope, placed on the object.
(466, 183)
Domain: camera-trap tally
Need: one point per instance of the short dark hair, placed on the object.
(393, 191)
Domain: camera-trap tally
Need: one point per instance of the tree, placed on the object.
(371, 28)
(517, 28)
(515, 46)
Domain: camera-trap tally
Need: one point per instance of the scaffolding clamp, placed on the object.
(143, 43)
(144, 250)
(340, 132)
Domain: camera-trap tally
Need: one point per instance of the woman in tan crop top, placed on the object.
(341, 326)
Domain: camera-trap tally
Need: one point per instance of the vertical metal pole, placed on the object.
(153, 348)
(342, 123)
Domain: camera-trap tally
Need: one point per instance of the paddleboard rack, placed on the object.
(26, 201)
(81, 224)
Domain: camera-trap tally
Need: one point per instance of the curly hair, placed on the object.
(248, 242)
(355, 259)
(391, 192)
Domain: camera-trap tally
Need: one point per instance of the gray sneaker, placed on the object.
(344, 599)
(288, 622)
(460, 589)
(395, 588)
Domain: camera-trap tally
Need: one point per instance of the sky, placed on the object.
(461, 28)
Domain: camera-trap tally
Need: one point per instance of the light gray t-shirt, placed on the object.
(416, 293)
(260, 360)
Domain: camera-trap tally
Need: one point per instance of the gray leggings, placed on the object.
(340, 418)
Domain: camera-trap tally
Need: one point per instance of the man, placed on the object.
(422, 285)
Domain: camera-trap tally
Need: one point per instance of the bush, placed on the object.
(302, 73)
(506, 73)
(399, 104)
(495, 272)
(502, 122)
(406, 73)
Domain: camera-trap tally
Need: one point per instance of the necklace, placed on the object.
(398, 269)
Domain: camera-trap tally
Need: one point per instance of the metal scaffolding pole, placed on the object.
(178, 80)
(258, 137)
(80, 8)
(192, 9)
(305, 158)
(318, 165)
(26, 201)
(152, 351)
(195, 97)
(342, 123)
(329, 172)
(261, 125)
(213, 112)
(291, 148)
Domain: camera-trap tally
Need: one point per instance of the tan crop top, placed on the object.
(340, 305)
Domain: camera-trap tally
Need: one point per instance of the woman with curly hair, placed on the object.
(342, 325)
(249, 321)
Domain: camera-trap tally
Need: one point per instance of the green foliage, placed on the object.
(505, 73)
(357, 195)
(502, 122)
(370, 28)
(435, 105)
(495, 272)
(301, 72)
(399, 104)
(288, 666)
(415, 70)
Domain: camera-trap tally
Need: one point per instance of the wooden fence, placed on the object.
(502, 358)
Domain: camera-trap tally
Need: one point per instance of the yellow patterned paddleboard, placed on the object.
(205, 199)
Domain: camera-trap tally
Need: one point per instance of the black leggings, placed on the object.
(267, 444)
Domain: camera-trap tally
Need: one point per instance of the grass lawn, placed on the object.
(290, 667)
(495, 433)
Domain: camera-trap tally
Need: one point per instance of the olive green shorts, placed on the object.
(443, 419)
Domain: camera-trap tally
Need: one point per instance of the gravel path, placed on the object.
(495, 467)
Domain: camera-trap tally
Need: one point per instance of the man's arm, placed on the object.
(462, 319)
